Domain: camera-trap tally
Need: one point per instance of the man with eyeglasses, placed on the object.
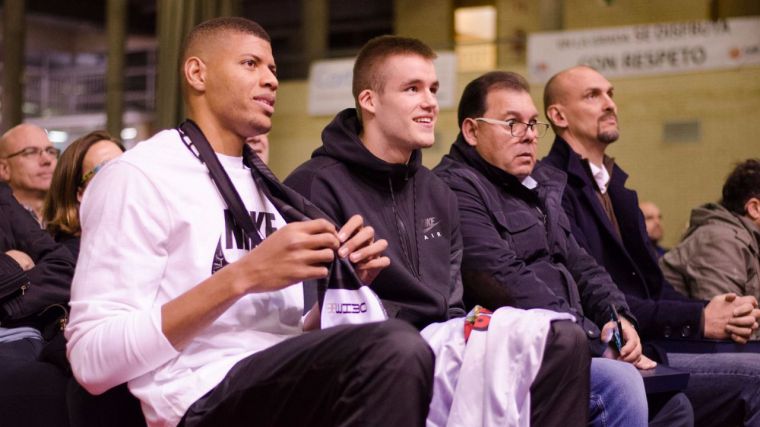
(518, 249)
(27, 161)
(606, 221)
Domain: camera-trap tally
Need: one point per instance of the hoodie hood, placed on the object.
(340, 141)
(716, 213)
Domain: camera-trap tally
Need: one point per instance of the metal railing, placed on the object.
(56, 90)
(62, 91)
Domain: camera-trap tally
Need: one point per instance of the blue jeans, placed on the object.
(617, 394)
(724, 388)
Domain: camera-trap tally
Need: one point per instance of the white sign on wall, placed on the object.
(652, 49)
(330, 84)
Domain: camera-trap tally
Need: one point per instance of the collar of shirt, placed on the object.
(34, 215)
(529, 182)
(601, 176)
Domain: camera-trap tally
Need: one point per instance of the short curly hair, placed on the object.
(741, 185)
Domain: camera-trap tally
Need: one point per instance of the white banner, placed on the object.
(640, 50)
(330, 84)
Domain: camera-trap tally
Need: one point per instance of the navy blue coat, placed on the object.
(660, 310)
(518, 248)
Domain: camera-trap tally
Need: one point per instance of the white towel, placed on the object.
(486, 382)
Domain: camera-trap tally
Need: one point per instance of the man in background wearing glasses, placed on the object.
(518, 249)
(27, 161)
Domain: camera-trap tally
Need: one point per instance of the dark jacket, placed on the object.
(518, 249)
(48, 282)
(70, 242)
(406, 205)
(660, 310)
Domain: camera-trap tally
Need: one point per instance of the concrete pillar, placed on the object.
(175, 18)
(14, 35)
(116, 20)
(170, 30)
(315, 29)
(431, 21)
(514, 20)
(551, 15)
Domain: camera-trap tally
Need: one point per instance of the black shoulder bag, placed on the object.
(343, 299)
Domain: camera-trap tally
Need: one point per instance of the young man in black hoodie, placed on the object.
(370, 163)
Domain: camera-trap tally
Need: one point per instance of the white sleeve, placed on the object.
(114, 332)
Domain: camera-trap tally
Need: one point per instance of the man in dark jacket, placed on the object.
(370, 164)
(35, 278)
(35, 271)
(27, 161)
(606, 221)
(518, 249)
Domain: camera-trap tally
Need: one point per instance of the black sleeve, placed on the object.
(595, 285)
(12, 277)
(301, 181)
(50, 279)
(307, 183)
(667, 318)
(456, 303)
(671, 314)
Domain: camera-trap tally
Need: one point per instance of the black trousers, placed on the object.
(559, 394)
(670, 410)
(32, 393)
(115, 408)
(377, 374)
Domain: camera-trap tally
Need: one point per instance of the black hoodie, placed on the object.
(406, 205)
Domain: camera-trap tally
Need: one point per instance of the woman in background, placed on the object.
(77, 166)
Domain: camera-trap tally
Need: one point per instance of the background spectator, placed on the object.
(653, 222)
(76, 168)
(720, 251)
(260, 144)
(32, 392)
(27, 161)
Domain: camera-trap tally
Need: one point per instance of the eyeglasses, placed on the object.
(518, 129)
(88, 176)
(35, 152)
